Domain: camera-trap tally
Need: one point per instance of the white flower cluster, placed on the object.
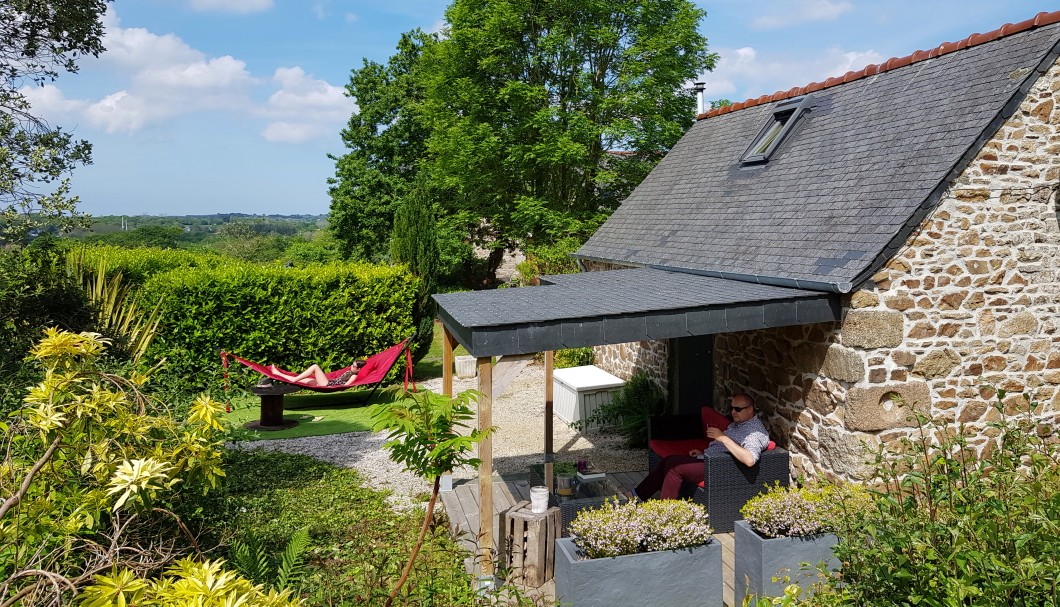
(616, 529)
(800, 511)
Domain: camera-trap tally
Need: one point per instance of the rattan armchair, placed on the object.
(729, 483)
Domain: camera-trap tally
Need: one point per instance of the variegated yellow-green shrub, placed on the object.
(88, 476)
(205, 584)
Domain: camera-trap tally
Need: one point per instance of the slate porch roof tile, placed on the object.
(591, 295)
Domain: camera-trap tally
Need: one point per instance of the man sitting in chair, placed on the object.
(745, 438)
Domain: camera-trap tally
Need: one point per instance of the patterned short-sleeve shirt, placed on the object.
(750, 435)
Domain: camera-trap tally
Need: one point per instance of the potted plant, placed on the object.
(652, 553)
(786, 527)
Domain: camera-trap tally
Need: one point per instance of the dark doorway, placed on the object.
(691, 372)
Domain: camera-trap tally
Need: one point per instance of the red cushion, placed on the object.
(666, 448)
(710, 417)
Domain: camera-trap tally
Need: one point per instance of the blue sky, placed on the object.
(214, 106)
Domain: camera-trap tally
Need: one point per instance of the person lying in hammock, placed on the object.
(315, 376)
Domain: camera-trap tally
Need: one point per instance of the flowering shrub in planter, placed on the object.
(786, 527)
(657, 552)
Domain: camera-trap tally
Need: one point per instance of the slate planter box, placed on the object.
(690, 576)
(758, 560)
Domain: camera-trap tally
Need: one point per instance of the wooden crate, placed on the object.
(529, 543)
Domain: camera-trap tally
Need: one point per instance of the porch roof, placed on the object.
(621, 306)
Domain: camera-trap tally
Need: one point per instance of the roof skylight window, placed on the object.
(778, 126)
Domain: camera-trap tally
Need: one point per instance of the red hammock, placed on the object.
(374, 370)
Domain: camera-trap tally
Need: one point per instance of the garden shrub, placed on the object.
(952, 527)
(88, 474)
(629, 410)
(543, 260)
(35, 293)
(326, 314)
(813, 508)
(574, 357)
(617, 529)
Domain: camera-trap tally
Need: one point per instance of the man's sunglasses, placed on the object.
(740, 408)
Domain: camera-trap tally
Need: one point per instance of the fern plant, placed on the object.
(253, 561)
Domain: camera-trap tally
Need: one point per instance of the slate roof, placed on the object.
(857, 175)
(621, 306)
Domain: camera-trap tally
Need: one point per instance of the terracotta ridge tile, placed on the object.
(893, 63)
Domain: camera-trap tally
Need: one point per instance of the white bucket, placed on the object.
(538, 498)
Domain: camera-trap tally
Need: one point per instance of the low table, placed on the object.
(272, 407)
(587, 494)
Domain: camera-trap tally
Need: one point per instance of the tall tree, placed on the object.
(415, 243)
(536, 117)
(387, 144)
(38, 40)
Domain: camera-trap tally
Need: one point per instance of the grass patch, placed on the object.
(358, 544)
(317, 414)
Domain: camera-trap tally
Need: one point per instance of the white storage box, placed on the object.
(578, 391)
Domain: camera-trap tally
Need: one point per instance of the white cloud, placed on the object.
(218, 73)
(291, 132)
(232, 6)
(135, 47)
(164, 77)
(761, 74)
(791, 12)
(319, 10)
(351, 18)
(304, 107)
(123, 112)
(50, 102)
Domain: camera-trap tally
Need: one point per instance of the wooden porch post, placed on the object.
(448, 345)
(485, 469)
(549, 456)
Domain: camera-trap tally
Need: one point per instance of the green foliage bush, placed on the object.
(795, 511)
(617, 529)
(629, 409)
(952, 527)
(86, 470)
(543, 260)
(293, 317)
(35, 293)
(574, 357)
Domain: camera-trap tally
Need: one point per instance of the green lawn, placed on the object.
(317, 414)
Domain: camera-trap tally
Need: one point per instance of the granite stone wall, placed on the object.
(970, 303)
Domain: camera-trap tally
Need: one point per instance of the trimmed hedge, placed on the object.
(138, 265)
(293, 317)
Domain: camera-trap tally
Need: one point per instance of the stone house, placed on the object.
(920, 195)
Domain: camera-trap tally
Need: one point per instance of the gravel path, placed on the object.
(517, 443)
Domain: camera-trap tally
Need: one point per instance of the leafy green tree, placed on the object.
(387, 143)
(144, 236)
(424, 436)
(539, 116)
(38, 40)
